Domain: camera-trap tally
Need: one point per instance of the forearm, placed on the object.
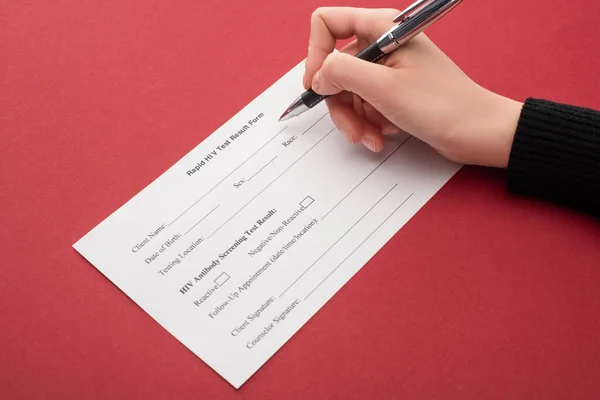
(556, 154)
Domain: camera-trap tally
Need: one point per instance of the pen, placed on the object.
(409, 23)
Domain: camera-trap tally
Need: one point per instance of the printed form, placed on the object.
(245, 238)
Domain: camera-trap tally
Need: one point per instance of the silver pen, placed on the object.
(409, 23)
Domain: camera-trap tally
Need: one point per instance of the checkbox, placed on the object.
(221, 279)
(307, 201)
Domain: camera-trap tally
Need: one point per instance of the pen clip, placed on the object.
(416, 6)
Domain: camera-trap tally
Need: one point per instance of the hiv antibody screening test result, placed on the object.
(244, 239)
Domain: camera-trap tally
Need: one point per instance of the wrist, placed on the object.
(503, 126)
(491, 129)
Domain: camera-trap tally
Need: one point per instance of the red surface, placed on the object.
(481, 295)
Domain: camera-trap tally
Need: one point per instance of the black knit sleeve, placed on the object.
(556, 155)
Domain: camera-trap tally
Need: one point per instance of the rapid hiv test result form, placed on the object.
(244, 239)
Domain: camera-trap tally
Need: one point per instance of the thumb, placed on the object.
(344, 72)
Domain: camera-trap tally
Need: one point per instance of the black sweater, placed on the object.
(556, 155)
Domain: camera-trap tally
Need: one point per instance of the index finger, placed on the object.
(330, 24)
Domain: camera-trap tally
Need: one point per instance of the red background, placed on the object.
(481, 295)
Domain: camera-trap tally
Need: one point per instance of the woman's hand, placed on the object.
(417, 89)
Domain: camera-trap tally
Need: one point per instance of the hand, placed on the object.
(417, 89)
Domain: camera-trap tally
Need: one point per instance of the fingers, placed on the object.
(372, 139)
(345, 119)
(351, 78)
(329, 24)
(379, 121)
(354, 126)
(343, 72)
(354, 47)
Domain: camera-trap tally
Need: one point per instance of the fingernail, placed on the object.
(390, 130)
(306, 80)
(368, 143)
(315, 82)
(346, 134)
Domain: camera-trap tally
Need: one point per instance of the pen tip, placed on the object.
(295, 109)
(287, 114)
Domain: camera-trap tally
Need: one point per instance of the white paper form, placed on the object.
(240, 242)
